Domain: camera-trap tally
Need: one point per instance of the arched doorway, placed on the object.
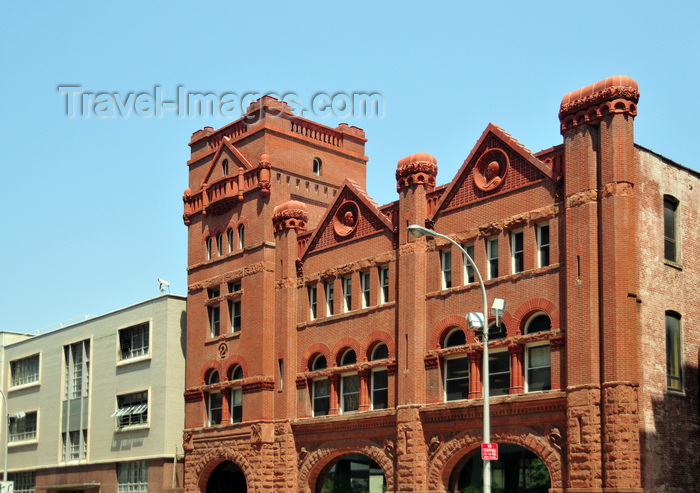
(227, 477)
(352, 473)
(518, 470)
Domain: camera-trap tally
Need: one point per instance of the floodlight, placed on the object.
(499, 307)
(475, 320)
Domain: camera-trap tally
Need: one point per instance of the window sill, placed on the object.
(135, 359)
(24, 386)
(132, 428)
(673, 264)
(20, 443)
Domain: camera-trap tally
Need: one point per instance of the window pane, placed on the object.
(673, 352)
(456, 378)
(499, 373)
(351, 393)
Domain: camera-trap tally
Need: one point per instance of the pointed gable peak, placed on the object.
(353, 214)
(495, 155)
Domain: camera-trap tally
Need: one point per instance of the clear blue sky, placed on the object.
(92, 205)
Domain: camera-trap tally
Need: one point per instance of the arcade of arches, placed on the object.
(518, 470)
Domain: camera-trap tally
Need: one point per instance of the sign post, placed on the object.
(489, 451)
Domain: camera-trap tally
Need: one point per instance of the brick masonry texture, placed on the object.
(273, 231)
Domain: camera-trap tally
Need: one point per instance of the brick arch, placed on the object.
(532, 306)
(443, 327)
(204, 465)
(312, 466)
(207, 367)
(375, 338)
(342, 345)
(312, 351)
(232, 361)
(453, 451)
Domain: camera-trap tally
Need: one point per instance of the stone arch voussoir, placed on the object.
(446, 458)
(312, 466)
(205, 464)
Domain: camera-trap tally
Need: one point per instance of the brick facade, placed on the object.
(318, 328)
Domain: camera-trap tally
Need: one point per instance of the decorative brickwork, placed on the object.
(571, 237)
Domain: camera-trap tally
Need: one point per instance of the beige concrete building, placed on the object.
(97, 406)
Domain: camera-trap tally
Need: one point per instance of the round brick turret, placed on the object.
(416, 169)
(615, 95)
(290, 215)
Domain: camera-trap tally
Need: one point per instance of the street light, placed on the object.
(475, 320)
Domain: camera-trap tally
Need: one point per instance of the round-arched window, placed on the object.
(349, 358)
(497, 332)
(455, 338)
(380, 351)
(540, 322)
(237, 373)
(213, 377)
(319, 363)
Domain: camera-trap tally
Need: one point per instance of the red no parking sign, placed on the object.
(489, 451)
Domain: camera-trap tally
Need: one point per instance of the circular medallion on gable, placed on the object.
(345, 219)
(491, 169)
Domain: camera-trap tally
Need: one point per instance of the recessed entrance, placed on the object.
(353, 473)
(518, 470)
(227, 478)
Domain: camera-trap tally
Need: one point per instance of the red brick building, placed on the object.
(328, 350)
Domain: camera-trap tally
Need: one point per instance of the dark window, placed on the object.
(499, 373)
(349, 358)
(321, 397)
(674, 377)
(455, 338)
(670, 228)
(446, 265)
(492, 255)
(538, 323)
(380, 351)
(468, 268)
(380, 389)
(543, 245)
(517, 251)
(456, 378)
(539, 361)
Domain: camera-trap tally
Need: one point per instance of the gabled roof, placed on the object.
(369, 220)
(523, 164)
(229, 149)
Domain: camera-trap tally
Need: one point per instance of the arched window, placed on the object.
(497, 332)
(674, 366)
(229, 237)
(670, 228)
(539, 322)
(208, 246)
(349, 358)
(380, 351)
(316, 166)
(219, 244)
(236, 373)
(380, 378)
(236, 396)
(319, 363)
(241, 236)
(214, 404)
(224, 167)
(455, 338)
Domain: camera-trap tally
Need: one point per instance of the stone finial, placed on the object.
(264, 175)
(416, 169)
(290, 215)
